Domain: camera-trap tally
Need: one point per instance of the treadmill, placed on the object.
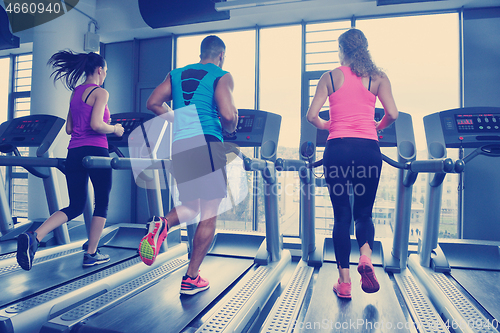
(308, 303)
(461, 275)
(58, 282)
(243, 269)
(37, 131)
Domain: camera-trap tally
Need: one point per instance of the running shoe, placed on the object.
(94, 259)
(191, 286)
(150, 245)
(343, 290)
(369, 282)
(27, 244)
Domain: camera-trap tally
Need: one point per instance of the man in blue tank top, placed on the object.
(203, 103)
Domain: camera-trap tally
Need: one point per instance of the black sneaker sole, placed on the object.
(95, 263)
(23, 256)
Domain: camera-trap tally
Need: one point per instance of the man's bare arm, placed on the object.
(225, 103)
(157, 101)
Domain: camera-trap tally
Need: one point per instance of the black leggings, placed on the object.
(77, 178)
(352, 166)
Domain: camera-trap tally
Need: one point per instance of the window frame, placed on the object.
(12, 173)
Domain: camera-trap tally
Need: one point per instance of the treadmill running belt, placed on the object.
(48, 274)
(483, 286)
(8, 248)
(161, 308)
(377, 312)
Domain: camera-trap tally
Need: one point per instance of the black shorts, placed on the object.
(199, 168)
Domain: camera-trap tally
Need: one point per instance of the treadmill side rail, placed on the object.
(243, 304)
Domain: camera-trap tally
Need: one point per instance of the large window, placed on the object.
(322, 45)
(22, 105)
(321, 54)
(420, 55)
(4, 88)
(279, 92)
(4, 97)
(279, 62)
(16, 178)
(239, 61)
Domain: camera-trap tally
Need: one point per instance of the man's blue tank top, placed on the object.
(193, 90)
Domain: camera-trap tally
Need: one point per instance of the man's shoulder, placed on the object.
(181, 69)
(198, 68)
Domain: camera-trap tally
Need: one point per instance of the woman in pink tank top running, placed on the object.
(352, 160)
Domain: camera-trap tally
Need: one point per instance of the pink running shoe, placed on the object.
(151, 243)
(343, 290)
(191, 286)
(369, 282)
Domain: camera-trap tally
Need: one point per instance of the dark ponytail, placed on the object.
(69, 67)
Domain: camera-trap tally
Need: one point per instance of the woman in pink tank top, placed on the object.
(352, 160)
(88, 124)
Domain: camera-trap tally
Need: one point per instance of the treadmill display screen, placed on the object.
(465, 122)
(129, 124)
(30, 127)
(245, 123)
(479, 123)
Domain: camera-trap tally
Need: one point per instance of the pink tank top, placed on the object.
(81, 113)
(352, 109)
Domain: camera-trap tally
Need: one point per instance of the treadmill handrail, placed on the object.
(97, 162)
(487, 150)
(255, 164)
(121, 163)
(445, 165)
(30, 162)
(283, 164)
(435, 165)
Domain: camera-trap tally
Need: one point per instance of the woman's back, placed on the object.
(81, 113)
(352, 106)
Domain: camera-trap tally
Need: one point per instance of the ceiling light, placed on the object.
(239, 4)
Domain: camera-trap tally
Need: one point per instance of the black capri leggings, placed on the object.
(77, 178)
(352, 166)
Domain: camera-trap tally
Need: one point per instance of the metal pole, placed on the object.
(61, 233)
(273, 236)
(6, 223)
(431, 223)
(460, 198)
(307, 213)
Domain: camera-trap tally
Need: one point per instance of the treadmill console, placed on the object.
(31, 131)
(255, 128)
(245, 123)
(30, 127)
(386, 138)
(129, 121)
(464, 127)
(478, 123)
